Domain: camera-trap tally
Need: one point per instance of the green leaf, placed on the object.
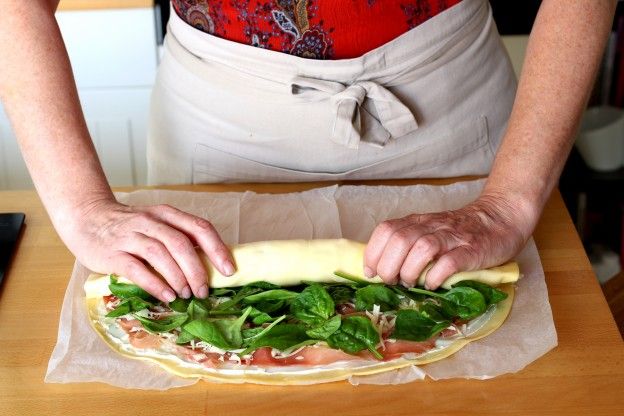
(313, 305)
(197, 310)
(185, 337)
(281, 337)
(400, 290)
(271, 307)
(222, 333)
(262, 285)
(463, 302)
(249, 334)
(359, 281)
(259, 317)
(133, 304)
(210, 332)
(270, 295)
(413, 325)
(356, 333)
(377, 294)
(223, 291)
(179, 305)
(432, 311)
(164, 324)
(491, 294)
(326, 329)
(126, 290)
(237, 298)
(341, 294)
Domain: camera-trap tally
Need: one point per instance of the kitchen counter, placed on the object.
(583, 375)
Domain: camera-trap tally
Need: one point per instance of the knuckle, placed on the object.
(133, 267)
(386, 227)
(450, 264)
(154, 250)
(402, 239)
(203, 224)
(181, 244)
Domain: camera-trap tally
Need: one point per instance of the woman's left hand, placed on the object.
(483, 234)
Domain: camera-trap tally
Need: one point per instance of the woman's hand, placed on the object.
(109, 237)
(482, 234)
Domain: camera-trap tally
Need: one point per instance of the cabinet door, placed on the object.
(13, 172)
(117, 121)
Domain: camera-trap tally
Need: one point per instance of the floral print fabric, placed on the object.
(316, 29)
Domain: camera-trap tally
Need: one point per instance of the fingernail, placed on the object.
(368, 272)
(407, 285)
(228, 268)
(186, 292)
(203, 292)
(168, 295)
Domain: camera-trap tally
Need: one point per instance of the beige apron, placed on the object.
(433, 102)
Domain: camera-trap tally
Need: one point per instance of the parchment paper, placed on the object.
(331, 212)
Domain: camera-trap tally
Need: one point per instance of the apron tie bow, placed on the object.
(356, 119)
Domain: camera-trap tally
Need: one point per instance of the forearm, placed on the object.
(39, 94)
(563, 55)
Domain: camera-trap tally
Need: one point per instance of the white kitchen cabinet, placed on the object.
(114, 59)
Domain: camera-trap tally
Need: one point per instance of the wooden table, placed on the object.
(583, 375)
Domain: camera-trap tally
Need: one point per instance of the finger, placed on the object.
(377, 243)
(456, 260)
(395, 252)
(129, 266)
(424, 250)
(184, 254)
(157, 255)
(204, 233)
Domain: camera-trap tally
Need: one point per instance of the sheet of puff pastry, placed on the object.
(287, 262)
(303, 260)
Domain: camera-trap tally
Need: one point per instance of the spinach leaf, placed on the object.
(462, 302)
(262, 285)
(313, 305)
(355, 334)
(326, 329)
(359, 281)
(185, 337)
(270, 295)
(340, 294)
(222, 333)
(131, 304)
(491, 294)
(126, 290)
(259, 317)
(197, 310)
(179, 304)
(223, 291)
(413, 325)
(376, 294)
(237, 298)
(432, 311)
(281, 337)
(400, 290)
(248, 334)
(164, 324)
(271, 308)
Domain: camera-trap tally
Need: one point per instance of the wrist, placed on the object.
(518, 210)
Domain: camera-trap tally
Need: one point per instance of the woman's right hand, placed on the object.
(109, 237)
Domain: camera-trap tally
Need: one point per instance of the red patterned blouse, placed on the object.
(317, 29)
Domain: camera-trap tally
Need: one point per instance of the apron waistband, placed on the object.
(357, 89)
